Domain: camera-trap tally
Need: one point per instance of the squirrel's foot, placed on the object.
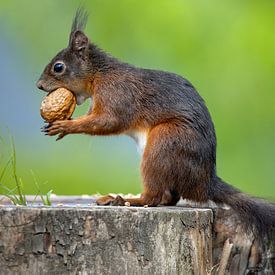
(110, 200)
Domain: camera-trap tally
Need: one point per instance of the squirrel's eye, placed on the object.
(58, 67)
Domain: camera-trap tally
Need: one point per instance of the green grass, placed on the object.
(44, 198)
(16, 195)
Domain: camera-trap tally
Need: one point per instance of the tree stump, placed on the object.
(246, 253)
(78, 237)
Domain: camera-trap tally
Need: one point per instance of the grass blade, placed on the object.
(5, 168)
(48, 198)
(20, 197)
(10, 194)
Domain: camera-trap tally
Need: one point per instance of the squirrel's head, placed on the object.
(68, 69)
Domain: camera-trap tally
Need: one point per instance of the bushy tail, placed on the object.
(254, 213)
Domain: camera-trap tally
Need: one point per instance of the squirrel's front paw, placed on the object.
(60, 128)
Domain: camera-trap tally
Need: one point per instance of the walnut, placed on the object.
(58, 105)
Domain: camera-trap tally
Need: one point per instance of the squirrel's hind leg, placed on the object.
(162, 168)
(167, 198)
(170, 198)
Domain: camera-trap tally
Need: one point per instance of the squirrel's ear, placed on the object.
(78, 41)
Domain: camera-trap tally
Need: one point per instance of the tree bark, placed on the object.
(104, 240)
(79, 237)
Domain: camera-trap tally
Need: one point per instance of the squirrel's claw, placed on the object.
(60, 128)
(45, 128)
(60, 136)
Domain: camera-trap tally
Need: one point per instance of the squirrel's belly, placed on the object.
(140, 137)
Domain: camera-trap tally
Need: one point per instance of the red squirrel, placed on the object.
(163, 112)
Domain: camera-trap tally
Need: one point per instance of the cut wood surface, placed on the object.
(74, 236)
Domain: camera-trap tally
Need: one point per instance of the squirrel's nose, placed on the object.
(39, 84)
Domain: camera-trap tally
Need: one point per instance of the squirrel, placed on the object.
(166, 116)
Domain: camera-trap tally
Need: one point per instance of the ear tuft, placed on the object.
(79, 41)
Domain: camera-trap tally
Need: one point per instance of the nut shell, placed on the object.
(58, 105)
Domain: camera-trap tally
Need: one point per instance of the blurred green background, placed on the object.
(225, 48)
